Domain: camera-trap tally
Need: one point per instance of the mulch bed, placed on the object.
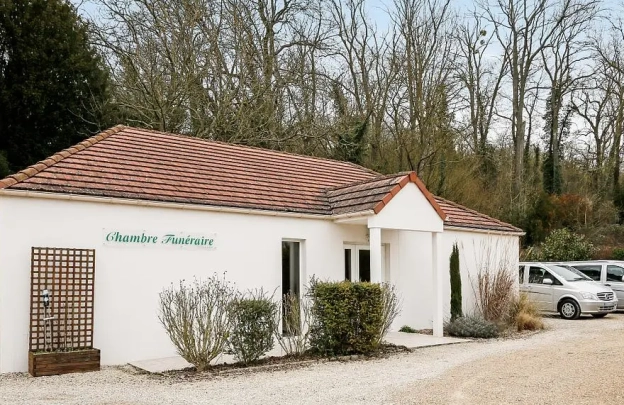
(273, 364)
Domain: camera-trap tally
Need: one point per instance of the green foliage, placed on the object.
(254, 318)
(53, 88)
(563, 245)
(456, 287)
(472, 327)
(617, 254)
(346, 317)
(407, 329)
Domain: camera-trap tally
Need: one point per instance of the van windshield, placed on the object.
(567, 273)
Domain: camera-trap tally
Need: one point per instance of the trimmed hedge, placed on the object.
(346, 317)
(254, 320)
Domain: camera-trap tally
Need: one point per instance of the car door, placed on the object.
(540, 293)
(614, 280)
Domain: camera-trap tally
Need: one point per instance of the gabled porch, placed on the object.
(405, 226)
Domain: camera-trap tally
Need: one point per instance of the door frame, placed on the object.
(355, 260)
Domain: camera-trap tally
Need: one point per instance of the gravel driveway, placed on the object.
(574, 362)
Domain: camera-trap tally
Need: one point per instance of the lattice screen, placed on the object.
(69, 276)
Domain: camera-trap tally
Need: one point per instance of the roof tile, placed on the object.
(133, 163)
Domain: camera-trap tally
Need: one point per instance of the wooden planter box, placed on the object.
(52, 363)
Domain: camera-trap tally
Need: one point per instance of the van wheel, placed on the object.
(569, 309)
(599, 315)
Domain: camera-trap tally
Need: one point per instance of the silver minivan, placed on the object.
(556, 288)
(607, 272)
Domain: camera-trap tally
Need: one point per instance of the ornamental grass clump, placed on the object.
(196, 318)
(347, 317)
(254, 318)
(525, 315)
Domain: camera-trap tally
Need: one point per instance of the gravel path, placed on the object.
(574, 362)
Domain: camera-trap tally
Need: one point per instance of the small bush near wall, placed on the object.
(346, 317)
(472, 327)
(196, 318)
(293, 332)
(254, 318)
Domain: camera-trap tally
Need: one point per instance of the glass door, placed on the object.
(357, 262)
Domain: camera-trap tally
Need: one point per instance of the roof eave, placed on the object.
(158, 204)
(482, 230)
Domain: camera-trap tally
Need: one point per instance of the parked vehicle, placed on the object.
(556, 288)
(607, 272)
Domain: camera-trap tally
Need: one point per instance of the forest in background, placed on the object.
(514, 108)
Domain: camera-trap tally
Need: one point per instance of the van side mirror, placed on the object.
(547, 281)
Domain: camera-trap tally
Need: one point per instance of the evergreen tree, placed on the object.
(52, 84)
(456, 293)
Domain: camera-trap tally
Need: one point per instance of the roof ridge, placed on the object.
(57, 157)
(477, 213)
(256, 148)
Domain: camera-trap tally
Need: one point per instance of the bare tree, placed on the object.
(525, 29)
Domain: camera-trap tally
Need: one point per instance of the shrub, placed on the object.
(617, 254)
(563, 245)
(346, 317)
(407, 329)
(196, 318)
(524, 314)
(472, 327)
(391, 306)
(495, 293)
(294, 334)
(254, 318)
(456, 293)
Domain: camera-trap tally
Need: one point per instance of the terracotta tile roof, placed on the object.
(131, 163)
(374, 194)
(460, 216)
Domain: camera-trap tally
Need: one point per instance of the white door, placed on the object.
(357, 262)
(540, 293)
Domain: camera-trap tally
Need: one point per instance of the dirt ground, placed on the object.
(573, 362)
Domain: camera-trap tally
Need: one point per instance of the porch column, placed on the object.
(375, 254)
(436, 239)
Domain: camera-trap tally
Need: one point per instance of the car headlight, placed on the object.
(589, 296)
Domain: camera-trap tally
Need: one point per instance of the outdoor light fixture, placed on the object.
(46, 298)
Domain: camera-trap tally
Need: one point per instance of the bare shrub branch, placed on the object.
(196, 318)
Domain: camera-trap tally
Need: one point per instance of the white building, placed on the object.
(158, 208)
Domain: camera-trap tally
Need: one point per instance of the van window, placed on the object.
(521, 275)
(592, 271)
(615, 273)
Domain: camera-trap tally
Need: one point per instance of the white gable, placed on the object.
(408, 210)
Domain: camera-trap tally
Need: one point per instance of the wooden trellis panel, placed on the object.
(69, 276)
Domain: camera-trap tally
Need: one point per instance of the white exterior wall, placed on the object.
(128, 279)
(248, 250)
(411, 269)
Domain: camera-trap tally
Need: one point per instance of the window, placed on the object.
(347, 258)
(521, 275)
(291, 266)
(615, 273)
(591, 271)
(364, 264)
(536, 275)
